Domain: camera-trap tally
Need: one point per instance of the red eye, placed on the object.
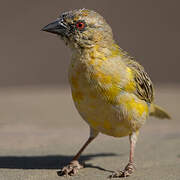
(80, 25)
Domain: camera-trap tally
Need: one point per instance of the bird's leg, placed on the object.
(130, 167)
(73, 167)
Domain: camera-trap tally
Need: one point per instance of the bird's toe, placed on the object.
(129, 169)
(71, 169)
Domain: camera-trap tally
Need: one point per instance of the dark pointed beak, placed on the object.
(56, 27)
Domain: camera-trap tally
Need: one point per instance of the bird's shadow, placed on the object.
(47, 162)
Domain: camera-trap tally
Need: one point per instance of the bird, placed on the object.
(111, 91)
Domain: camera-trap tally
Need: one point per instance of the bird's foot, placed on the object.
(128, 170)
(71, 169)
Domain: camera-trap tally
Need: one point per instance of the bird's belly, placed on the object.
(100, 115)
(118, 119)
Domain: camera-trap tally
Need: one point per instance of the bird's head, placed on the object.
(81, 29)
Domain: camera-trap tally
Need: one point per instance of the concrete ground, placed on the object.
(40, 131)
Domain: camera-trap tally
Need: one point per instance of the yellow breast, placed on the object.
(99, 92)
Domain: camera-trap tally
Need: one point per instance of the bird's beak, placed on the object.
(56, 27)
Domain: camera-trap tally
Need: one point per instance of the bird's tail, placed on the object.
(158, 112)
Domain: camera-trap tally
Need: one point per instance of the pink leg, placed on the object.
(76, 157)
(73, 167)
(132, 140)
(130, 167)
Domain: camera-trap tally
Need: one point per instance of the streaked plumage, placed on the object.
(111, 91)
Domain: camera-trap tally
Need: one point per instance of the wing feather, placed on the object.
(144, 86)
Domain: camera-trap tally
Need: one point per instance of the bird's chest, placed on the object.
(92, 103)
(84, 92)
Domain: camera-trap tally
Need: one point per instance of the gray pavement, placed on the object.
(40, 131)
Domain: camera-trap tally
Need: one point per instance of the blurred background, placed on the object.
(148, 30)
(39, 126)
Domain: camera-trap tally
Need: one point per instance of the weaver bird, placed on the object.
(111, 91)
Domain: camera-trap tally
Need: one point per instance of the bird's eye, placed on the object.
(80, 25)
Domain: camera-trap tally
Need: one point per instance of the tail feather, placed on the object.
(159, 112)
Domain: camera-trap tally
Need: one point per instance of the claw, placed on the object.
(71, 169)
(128, 170)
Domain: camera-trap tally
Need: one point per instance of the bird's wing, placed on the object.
(144, 86)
